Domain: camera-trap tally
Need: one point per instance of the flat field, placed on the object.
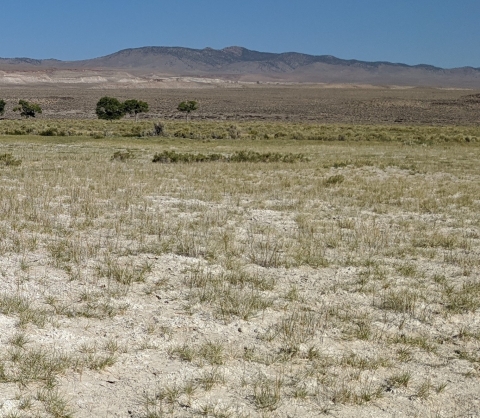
(294, 252)
(343, 281)
(295, 103)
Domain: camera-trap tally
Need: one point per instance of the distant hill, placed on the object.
(241, 64)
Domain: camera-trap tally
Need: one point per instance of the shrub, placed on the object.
(176, 157)
(158, 129)
(337, 179)
(267, 157)
(110, 108)
(236, 157)
(134, 107)
(234, 132)
(27, 109)
(121, 155)
(187, 107)
(49, 132)
(9, 160)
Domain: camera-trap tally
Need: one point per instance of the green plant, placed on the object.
(159, 129)
(19, 340)
(9, 160)
(123, 273)
(424, 389)
(21, 306)
(110, 108)
(176, 157)
(336, 179)
(187, 107)
(399, 380)
(134, 107)
(27, 109)
(212, 352)
(184, 352)
(209, 378)
(463, 299)
(267, 393)
(298, 328)
(121, 156)
(55, 403)
(3, 103)
(401, 300)
(100, 361)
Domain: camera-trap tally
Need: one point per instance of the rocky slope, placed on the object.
(237, 64)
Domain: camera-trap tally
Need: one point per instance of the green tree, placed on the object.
(110, 108)
(2, 106)
(27, 109)
(134, 107)
(187, 107)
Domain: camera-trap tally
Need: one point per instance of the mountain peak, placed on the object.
(234, 50)
(242, 64)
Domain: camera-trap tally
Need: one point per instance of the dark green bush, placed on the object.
(236, 157)
(177, 157)
(266, 157)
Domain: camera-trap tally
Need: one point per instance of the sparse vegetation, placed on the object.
(252, 130)
(335, 282)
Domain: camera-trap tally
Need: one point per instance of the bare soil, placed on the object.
(313, 103)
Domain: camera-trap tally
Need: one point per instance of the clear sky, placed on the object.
(445, 33)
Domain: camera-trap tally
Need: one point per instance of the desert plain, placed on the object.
(332, 270)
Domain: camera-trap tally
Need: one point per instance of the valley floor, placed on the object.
(344, 283)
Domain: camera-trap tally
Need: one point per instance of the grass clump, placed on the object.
(226, 299)
(236, 157)
(178, 157)
(265, 157)
(267, 392)
(9, 160)
(121, 156)
(17, 305)
(464, 299)
(402, 301)
(336, 179)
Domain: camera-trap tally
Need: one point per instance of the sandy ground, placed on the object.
(255, 289)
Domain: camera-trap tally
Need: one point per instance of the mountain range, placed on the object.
(234, 64)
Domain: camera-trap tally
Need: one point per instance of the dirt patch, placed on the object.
(268, 103)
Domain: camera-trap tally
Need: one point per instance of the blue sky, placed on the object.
(445, 33)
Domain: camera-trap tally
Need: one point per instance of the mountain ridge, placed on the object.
(242, 64)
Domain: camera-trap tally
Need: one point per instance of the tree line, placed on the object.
(111, 108)
(108, 108)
